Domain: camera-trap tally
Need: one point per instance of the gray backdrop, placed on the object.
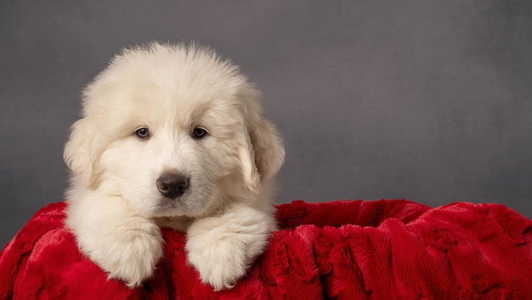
(424, 100)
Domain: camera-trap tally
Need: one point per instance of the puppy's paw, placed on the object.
(222, 247)
(130, 253)
(220, 261)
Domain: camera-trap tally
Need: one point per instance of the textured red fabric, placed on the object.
(387, 249)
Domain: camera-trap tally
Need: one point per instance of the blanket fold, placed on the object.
(386, 249)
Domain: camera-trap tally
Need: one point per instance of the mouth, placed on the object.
(165, 203)
(169, 207)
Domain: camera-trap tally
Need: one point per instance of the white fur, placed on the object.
(114, 207)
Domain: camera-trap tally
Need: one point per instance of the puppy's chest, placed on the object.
(175, 223)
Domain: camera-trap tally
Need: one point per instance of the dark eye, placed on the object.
(142, 133)
(199, 133)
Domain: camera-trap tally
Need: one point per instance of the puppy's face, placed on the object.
(174, 131)
(175, 156)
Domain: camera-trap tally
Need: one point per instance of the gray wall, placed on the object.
(425, 100)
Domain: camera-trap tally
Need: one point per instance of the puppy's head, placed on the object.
(174, 130)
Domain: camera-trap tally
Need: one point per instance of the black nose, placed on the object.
(172, 185)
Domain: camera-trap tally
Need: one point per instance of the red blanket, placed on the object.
(342, 250)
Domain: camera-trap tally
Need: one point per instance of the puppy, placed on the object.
(172, 136)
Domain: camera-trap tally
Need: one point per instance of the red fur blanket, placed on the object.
(341, 250)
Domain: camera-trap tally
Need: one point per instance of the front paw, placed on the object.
(130, 254)
(220, 262)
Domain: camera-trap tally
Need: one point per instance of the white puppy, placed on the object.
(172, 136)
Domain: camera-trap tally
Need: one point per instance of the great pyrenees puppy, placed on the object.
(172, 136)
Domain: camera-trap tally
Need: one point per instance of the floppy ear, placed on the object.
(264, 155)
(81, 155)
(268, 148)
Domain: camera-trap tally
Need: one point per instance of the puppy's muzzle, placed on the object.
(172, 185)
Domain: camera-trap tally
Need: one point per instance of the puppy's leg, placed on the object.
(125, 245)
(222, 247)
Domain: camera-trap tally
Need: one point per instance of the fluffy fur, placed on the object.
(115, 209)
